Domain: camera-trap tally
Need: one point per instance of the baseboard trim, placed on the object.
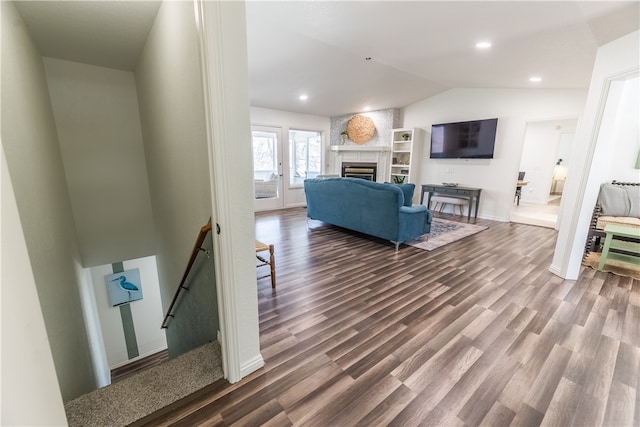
(251, 366)
(137, 358)
(555, 270)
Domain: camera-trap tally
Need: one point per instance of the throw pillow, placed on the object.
(407, 191)
(617, 200)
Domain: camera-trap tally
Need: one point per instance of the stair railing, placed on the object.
(194, 253)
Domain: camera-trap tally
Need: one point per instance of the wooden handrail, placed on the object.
(194, 253)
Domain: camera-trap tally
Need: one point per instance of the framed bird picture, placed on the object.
(124, 287)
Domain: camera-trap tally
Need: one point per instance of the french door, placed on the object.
(267, 167)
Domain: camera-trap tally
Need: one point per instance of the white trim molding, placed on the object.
(223, 45)
(615, 61)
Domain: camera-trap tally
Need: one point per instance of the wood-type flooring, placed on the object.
(477, 332)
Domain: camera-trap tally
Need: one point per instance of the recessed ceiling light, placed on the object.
(367, 108)
(303, 97)
(535, 79)
(483, 45)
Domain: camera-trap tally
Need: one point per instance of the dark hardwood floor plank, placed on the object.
(526, 416)
(562, 408)
(627, 369)
(600, 374)
(261, 415)
(590, 411)
(545, 385)
(620, 405)
(482, 400)
(387, 410)
(498, 415)
(631, 326)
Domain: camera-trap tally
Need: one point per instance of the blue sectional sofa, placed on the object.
(377, 209)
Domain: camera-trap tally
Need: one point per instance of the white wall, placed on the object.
(604, 129)
(30, 391)
(98, 125)
(513, 108)
(147, 313)
(36, 169)
(285, 121)
(171, 104)
(625, 135)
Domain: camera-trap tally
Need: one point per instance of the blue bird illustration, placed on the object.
(127, 286)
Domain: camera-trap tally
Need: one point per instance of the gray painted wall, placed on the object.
(170, 97)
(98, 125)
(37, 174)
(195, 323)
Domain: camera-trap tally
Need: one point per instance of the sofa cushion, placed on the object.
(407, 191)
(628, 221)
(618, 200)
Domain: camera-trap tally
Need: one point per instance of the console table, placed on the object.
(472, 194)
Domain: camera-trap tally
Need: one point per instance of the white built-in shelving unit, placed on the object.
(406, 151)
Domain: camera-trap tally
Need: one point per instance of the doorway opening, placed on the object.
(543, 172)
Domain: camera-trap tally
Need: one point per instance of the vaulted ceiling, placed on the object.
(348, 55)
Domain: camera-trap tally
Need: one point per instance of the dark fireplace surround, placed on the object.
(360, 170)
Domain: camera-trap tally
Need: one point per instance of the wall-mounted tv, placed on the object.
(464, 140)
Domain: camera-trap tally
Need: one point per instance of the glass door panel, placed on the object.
(267, 168)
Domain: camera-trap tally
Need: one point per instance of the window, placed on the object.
(265, 158)
(305, 155)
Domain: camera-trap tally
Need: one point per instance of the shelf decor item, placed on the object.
(360, 129)
(344, 136)
(405, 155)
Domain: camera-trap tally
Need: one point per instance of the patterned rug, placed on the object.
(612, 266)
(444, 232)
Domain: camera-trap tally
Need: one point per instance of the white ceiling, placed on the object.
(417, 48)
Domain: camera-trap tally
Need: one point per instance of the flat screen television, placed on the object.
(464, 140)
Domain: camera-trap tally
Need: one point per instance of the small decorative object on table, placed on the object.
(450, 184)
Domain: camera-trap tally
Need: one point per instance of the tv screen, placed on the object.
(464, 140)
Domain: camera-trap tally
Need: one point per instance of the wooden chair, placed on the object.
(261, 247)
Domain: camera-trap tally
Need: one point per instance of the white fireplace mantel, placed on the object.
(377, 154)
(339, 148)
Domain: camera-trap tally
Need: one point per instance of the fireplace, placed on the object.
(360, 170)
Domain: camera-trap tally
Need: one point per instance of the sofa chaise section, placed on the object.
(377, 209)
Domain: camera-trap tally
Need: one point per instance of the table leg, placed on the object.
(605, 251)
(475, 214)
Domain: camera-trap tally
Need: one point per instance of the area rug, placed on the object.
(139, 395)
(612, 266)
(444, 232)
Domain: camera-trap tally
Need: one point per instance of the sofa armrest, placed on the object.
(416, 217)
(413, 209)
